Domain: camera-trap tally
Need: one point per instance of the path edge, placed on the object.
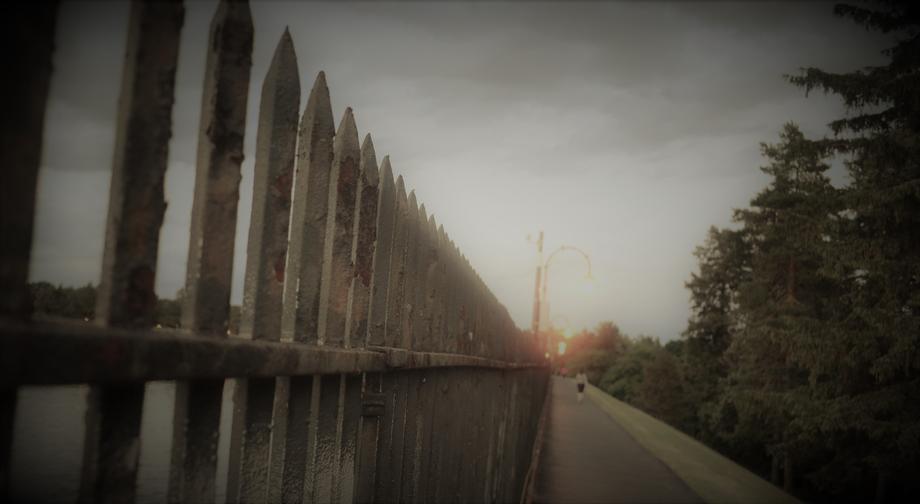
(740, 486)
(527, 490)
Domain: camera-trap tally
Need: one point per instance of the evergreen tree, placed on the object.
(624, 376)
(869, 411)
(662, 392)
(724, 263)
(783, 305)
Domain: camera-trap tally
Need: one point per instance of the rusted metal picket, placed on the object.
(266, 253)
(372, 362)
(29, 28)
(125, 296)
(206, 307)
(386, 211)
(303, 275)
(363, 248)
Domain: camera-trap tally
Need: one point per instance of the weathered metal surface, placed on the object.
(248, 479)
(439, 326)
(433, 288)
(482, 303)
(481, 341)
(468, 436)
(428, 408)
(466, 332)
(424, 418)
(383, 480)
(298, 441)
(477, 437)
(112, 443)
(505, 478)
(410, 274)
(143, 127)
(277, 455)
(196, 423)
(386, 210)
(340, 227)
(136, 205)
(404, 410)
(456, 426)
(463, 304)
(7, 414)
(452, 295)
(260, 317)
(206, 306)
(490, 389)
(363, 247)
(390, 454)
(415, 432)
(313, 433)
(344, 491)
(303, 274)
(440, 422)
(273, 176)
(327, 427)
(28, 32)
(373, 404)
(420, 321)
(31, 355)
(397, 278)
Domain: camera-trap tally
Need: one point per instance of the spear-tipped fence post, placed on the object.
(303, 276)
(396, 285)
(420, 301)
(206, 306)
(293, 442)
(136, 205)
(29, 28)
(386, 211)
(410, 275)
(260, 317)
(340, 227)
(363, 247)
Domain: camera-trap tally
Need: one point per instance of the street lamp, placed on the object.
(540, 298)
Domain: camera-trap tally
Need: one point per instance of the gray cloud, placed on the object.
(625, 128)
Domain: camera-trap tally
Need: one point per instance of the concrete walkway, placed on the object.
(606, 451)
(588, 458)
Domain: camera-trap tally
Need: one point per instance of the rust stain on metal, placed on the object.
(217, 179)
(301, 307)
(337, 253)
(136, 206)
(381, 267)
(280, 260)
(363, 247)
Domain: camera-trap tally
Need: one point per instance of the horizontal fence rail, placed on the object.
(372, 363)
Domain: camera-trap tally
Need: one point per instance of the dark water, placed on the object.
(48, 443)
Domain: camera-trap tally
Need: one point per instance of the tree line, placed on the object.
(58, 301)
(801, 358)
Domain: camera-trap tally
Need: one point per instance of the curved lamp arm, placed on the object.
(575, 249)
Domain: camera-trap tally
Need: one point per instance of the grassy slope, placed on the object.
(713, 477)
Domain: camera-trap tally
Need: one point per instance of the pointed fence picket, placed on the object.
(209, 274)
(372, 361)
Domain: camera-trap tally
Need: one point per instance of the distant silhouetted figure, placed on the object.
(580, 380)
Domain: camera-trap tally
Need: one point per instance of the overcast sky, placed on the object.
(623, 128)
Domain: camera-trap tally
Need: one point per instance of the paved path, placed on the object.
(589, 458)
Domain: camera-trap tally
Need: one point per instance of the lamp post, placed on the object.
(539, 296)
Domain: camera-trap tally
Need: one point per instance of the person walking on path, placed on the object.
(580, 380)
